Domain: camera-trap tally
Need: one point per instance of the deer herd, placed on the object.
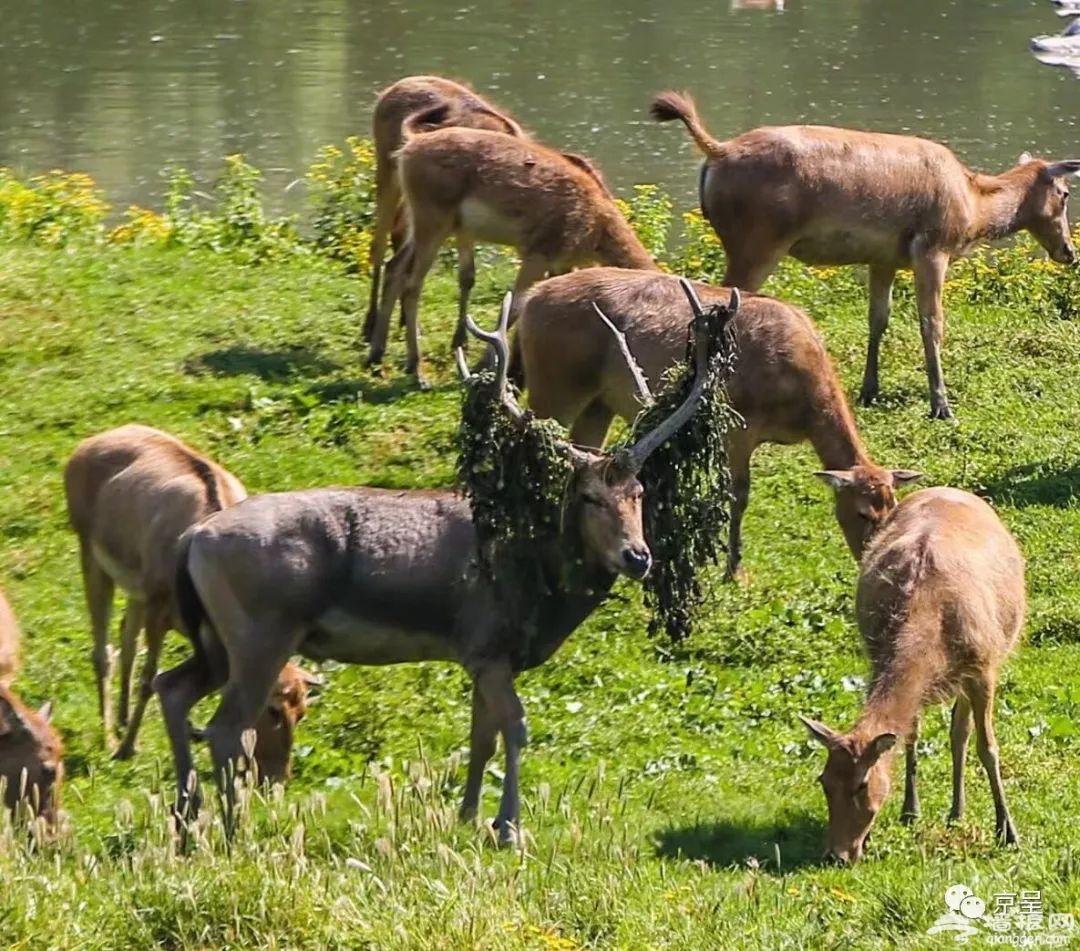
(373, 576)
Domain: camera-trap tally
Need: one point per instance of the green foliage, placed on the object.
(342, 193)
(516, 474)
(52, 210)
(650, 215)
(687, 483)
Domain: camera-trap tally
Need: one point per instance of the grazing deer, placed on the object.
(783, 383)
(131, 492)
(276, 727)
(9, 642)
(487, 186)
(841, 196)
(31, 753)
(394, 105)
(378, 576)
(940, 604)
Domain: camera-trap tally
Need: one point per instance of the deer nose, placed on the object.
(638, 561)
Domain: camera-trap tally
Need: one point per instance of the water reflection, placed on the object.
(127, 87)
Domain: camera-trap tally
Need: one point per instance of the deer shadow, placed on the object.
(1032, 484)
(271, 366)
(798, 839)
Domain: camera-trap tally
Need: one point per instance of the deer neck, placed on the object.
(999, 201)
(834, 436)
(895, 700)
(621, 247)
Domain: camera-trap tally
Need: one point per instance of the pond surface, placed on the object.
(122, 88)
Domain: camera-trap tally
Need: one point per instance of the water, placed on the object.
(128, 87)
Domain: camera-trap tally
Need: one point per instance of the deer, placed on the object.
(837, 196)
(479, 185)
(394, 104)
(940, 603)
(31, 750)
(783, 384)
(131, 492)
(275, 728)
(384, 576)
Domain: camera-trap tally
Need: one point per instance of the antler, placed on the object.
(497, 341)
(651, 441)
(644, 394)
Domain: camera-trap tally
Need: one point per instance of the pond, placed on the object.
(127, 88)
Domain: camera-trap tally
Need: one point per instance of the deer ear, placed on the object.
(878, 747)
(46, 711)
(824, 735)
(837, 478)
(904, 476)
(1025, 157)
(1060, 169)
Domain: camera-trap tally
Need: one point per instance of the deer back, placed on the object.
(941, 585)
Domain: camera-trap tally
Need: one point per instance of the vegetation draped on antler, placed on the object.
(686, 478)
(516, 468)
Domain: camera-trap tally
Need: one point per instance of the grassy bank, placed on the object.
(669, 795)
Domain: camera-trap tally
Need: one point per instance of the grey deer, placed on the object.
(375, 576)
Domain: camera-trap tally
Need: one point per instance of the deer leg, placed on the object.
(425, 251)
(133, 621)
(880, 284)
(959, 732)
(982, 706)
(99, 589)
(590, 428)
(391, 293)
(481, 749)
(496, 684)
(739, 451)
(387, 204)
(179, 689)
(533, 268)
(929, 280)
(157, 624)
(466, 250)
(258, 655)
(910, 811)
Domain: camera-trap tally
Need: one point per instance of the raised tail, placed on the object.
(668, 106)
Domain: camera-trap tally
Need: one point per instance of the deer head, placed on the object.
(275, 728)
(605, 489)
(1045, 207)
(865, 496)
(30, 756)
(856, 784)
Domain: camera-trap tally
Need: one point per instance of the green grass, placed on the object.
(669, 794)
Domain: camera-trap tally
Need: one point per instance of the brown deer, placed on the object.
(131, 493)
(842, 196)
(940, 604)
(276, 727)
(487, 186)
(783, 383)
(394, 105)
(378, 576)
(31, 752)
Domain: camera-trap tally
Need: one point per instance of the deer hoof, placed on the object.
(909, 817)
(868, 397)
(508, 831)
(941, 411)
(124, 751)
(737, 575)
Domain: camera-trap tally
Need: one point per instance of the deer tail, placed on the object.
(668, 106)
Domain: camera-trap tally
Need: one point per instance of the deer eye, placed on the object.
(592, 500)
